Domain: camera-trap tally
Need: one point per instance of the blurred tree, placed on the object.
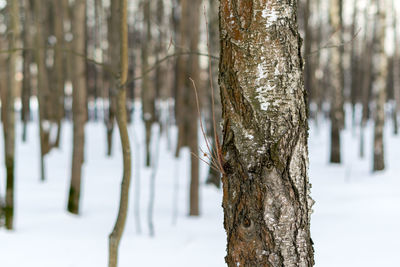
(9, 118)
(379, 85)
(336, 72)
(27, 55)
(78, 104)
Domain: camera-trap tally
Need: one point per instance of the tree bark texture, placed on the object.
(266, 199)
(78, 105)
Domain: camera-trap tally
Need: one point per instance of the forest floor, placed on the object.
(354, 224)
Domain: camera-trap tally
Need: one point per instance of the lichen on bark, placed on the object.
(266, 190)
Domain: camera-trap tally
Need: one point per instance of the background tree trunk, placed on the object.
(27, 56)
(78, 105)
(43, 92)
(379, 86)
(148, 93)
(9, 123)
(115, 236)
(336, 72)
(266, 190)
(214, 177)
(59, 69)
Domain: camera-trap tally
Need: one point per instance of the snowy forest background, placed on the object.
(62, 147)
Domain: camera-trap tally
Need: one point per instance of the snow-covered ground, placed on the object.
(355, 223)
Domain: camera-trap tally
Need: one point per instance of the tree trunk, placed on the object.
(266, 199)
(366, 76)
(78, 105)
(115, 236)
(337, 114)
(27, 56)
(354, 61)
(214, 177)
(42, 85)
(396, 70)
(113, 59)
(9, 123)
(188, 117)
(148, 93)
(58, 102)
(379, 87)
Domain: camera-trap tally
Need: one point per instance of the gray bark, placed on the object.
(266, 199)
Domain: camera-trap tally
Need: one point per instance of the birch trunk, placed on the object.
(266, 199)
(9, 123)
(379, 86)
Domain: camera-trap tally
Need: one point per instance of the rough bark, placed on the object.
(78, 105)
(266, 199)
(9, 123)
(379, 87)
(115, 236)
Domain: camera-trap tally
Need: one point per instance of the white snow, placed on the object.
(355, 222)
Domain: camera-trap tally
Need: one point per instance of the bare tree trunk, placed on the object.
(78, 105)
(379, 87)
(266, 199)
(113, 59)
(396, 71)
(9, 123)
(214, 177)
(115, 236)
(148, 93)
(58, 68)
(337, 114)
(354, 61)
(308, 67)
(42, 85)
(27, 55)
(187, 120)
(367, 73)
